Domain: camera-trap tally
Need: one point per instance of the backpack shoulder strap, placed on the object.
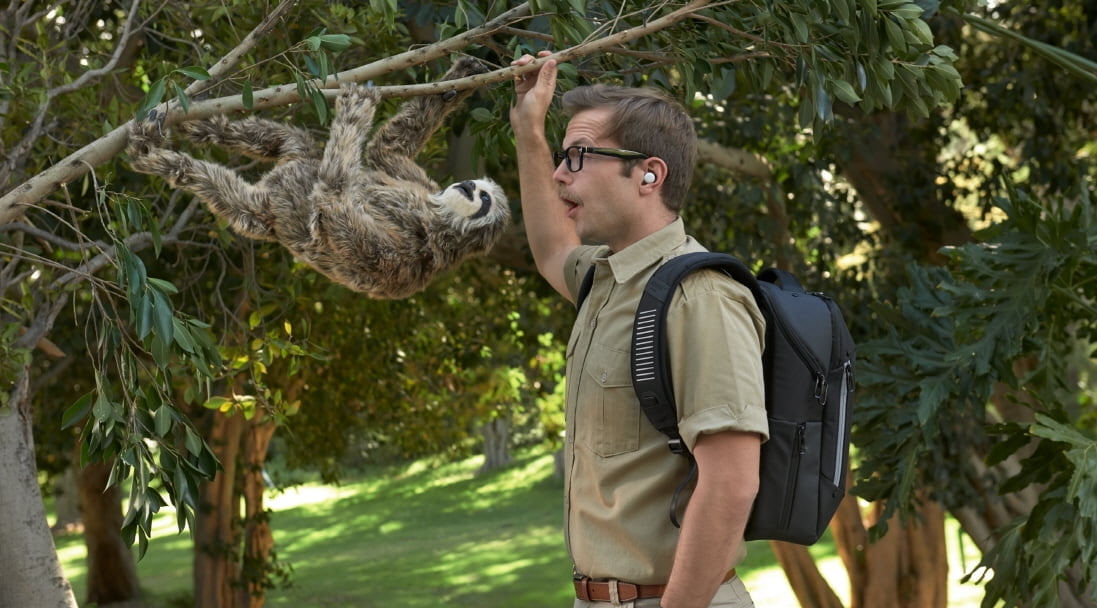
(585, 287)
(784, 279)
(650, 362)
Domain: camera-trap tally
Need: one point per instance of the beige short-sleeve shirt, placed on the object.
(619, 474)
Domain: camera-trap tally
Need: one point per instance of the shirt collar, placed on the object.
(648, 251)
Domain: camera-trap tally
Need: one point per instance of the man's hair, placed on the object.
(645, 120)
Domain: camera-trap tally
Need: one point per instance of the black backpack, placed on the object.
(808, 365)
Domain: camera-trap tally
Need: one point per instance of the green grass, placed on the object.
(434, 535)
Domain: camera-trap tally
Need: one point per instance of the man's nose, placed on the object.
(562, 175)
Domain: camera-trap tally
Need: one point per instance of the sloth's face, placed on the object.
(480, 201)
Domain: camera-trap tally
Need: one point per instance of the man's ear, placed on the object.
(652, 172)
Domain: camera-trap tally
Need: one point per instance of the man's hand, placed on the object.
(533, 94)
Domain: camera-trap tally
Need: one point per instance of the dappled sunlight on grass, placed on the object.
(432, 534)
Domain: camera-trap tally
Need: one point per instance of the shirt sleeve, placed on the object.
(715, 337)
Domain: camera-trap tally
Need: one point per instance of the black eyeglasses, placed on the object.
(574, 155)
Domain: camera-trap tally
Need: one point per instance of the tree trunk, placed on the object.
(884, 159)
(66, 503)
(258, 539)
(811, 589)
(112, 575)
(496, 444)
(906, 568)
(32, 574)
(216, 525)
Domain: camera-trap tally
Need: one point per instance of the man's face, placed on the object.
(600, 198)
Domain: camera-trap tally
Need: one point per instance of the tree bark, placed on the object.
(884, 159)
(28, 559)
(258, 539)
(216, 525)
(66, 503)
(811, 589)
(112, 575)
(496, 436)
(906, 568)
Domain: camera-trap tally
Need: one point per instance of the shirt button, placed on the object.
(605, 376)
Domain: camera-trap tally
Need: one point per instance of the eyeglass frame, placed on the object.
(561, 156)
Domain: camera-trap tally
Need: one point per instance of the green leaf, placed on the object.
(193, 442)
(723, 86)
(336, 43)
(248, 95)
(103, 409)
(482, 115)
(163, 317)
(207, 464)
(152, 99)
(164, 286)
(142, 310)
(195, 72)
(319, 104)
(842, 9)
(909, 11)
(311, 67)
(162, 420)
(77, 411)
(895, 35)
(218, 403)
(302, 86)
(844, 91)
(182, 336)
(800, 25)
(181, 97)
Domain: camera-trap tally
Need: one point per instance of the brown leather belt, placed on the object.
(590, 590)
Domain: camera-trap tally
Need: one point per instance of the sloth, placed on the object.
(370, 220)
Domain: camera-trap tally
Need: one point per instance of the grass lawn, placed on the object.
(438, 535)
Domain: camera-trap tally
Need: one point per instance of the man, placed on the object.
(619, 181)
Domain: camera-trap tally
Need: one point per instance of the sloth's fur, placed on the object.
(373, 221)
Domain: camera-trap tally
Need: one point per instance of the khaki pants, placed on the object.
(731, 594)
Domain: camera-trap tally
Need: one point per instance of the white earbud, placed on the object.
(649, 178)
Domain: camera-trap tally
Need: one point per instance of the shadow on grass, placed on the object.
(412, 536)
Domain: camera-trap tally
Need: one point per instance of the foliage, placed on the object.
(418, 376)
(157, 295)
(1011, 309)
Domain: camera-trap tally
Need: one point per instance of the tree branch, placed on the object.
(30, 192)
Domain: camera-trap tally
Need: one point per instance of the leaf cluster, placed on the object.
(1012, 317)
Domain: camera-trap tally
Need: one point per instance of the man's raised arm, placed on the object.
(551, 234)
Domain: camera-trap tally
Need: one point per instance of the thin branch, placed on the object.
(30, 192)
(77, 164)
(18, 152)
(219, 70)
(609, 42)
(740, 33)
(49, 237)
(86, 77)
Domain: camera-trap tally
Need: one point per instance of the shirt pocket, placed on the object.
(608, 415)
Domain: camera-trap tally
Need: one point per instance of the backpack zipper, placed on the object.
(794, 474)
(843, 400)
(807, 357)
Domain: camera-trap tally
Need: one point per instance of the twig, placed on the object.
(219, 70)
(76, 164)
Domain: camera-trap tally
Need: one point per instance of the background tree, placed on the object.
(837, 143)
